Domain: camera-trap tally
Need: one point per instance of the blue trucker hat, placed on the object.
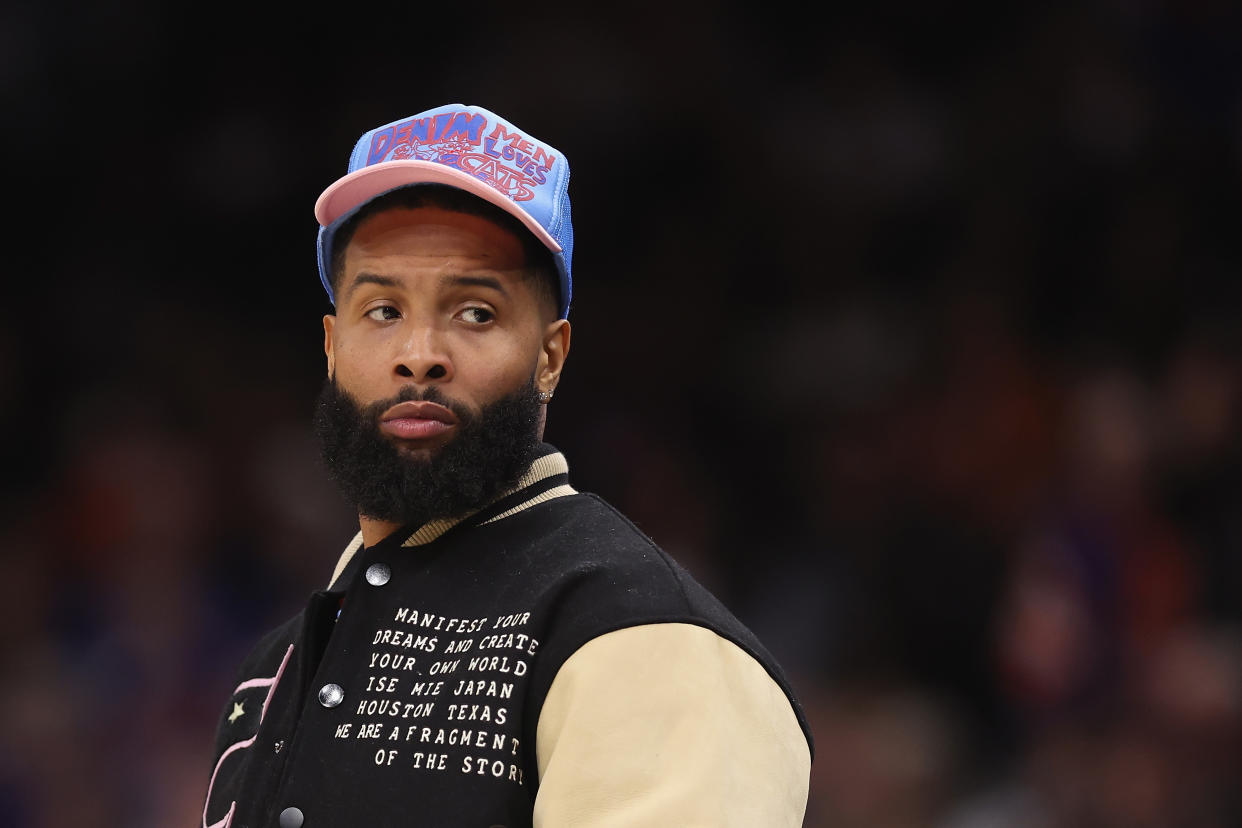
(466, 147)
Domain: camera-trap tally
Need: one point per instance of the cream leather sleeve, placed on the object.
(668, 725)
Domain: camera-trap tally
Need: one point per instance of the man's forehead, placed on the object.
(434, 233)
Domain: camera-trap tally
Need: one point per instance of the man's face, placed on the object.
(436, 321)
(434, 298)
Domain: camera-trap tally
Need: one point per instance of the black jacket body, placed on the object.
(408, 693)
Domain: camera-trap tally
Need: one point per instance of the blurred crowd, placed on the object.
(914, 336)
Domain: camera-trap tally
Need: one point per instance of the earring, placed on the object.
(545, 397)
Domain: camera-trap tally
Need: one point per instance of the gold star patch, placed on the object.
(238, 712)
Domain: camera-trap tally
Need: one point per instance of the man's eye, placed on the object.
(478, 316)
(384, 313)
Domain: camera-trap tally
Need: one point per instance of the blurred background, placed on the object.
(911, 330)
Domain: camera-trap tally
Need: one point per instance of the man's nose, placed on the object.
(424, 357)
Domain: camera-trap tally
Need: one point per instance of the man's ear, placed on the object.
(329, 322)
(553, 355)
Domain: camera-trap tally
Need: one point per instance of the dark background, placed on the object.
(911, 330)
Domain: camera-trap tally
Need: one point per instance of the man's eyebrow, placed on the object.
(369, 278)
(456, 280)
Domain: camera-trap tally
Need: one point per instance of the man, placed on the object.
(494, 647)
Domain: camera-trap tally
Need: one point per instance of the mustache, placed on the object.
(409, 393)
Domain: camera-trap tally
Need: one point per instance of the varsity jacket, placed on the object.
(537, 663)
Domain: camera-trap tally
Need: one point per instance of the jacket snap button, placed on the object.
(330, 695)
(291, 818)
(378, 574)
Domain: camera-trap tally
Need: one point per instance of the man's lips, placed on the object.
(417, 420)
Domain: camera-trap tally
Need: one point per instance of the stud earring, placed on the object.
(545, 397)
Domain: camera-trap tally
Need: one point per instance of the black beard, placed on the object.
(487, 456)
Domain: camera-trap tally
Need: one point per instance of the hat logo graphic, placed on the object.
(509, 181)
(454, 139)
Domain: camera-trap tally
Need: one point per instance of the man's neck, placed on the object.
(374, 531)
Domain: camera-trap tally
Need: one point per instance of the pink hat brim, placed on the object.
(362, 185)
